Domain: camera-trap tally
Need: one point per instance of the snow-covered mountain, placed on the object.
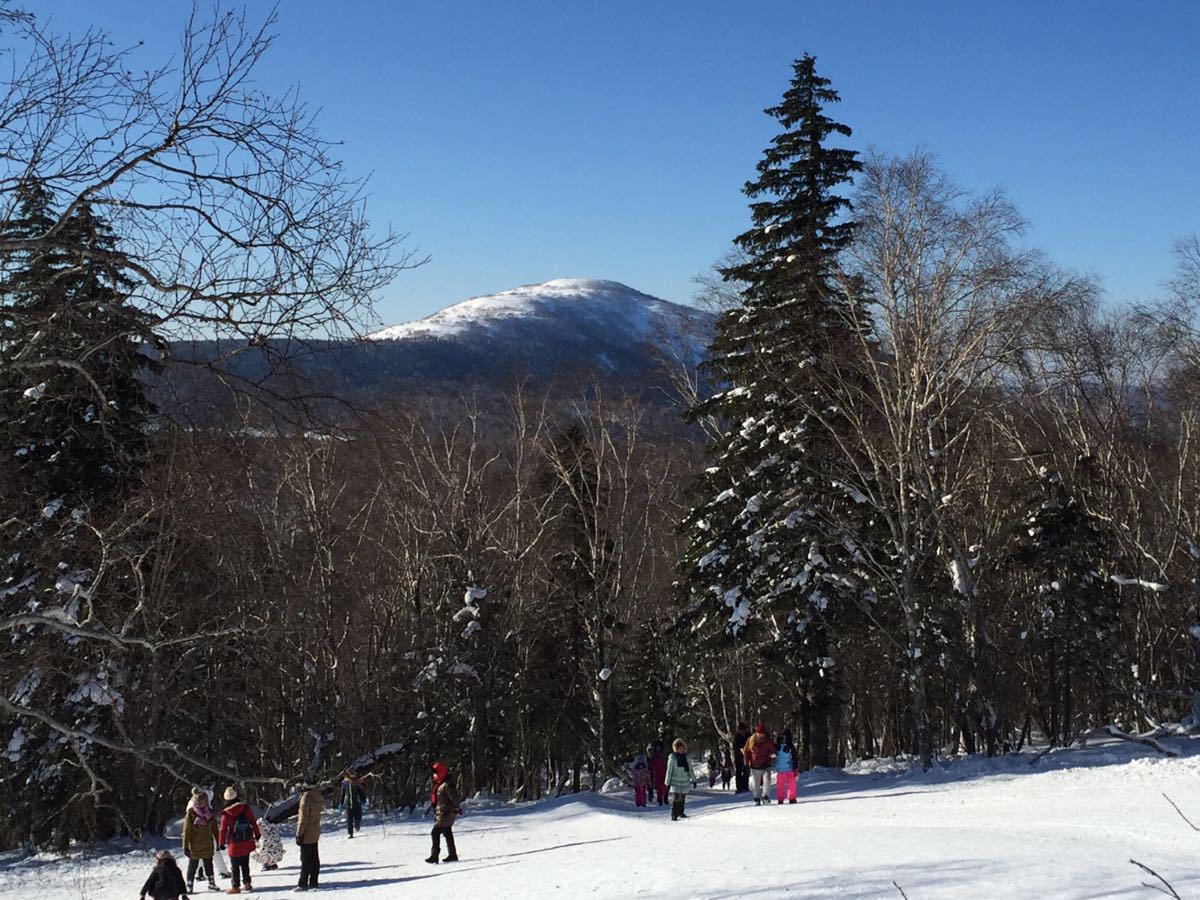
(543, 334)
(564, 326)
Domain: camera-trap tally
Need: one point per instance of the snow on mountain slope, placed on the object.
(1065, 827)
(600, 321)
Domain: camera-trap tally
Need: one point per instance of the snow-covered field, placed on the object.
(1065, 827)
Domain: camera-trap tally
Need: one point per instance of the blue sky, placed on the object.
(522, 141)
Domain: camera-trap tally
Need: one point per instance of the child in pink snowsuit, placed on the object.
(640, 777)
(785, 769)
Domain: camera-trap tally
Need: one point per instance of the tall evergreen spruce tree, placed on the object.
(73, 437)
(773, 539)
(1077, 623)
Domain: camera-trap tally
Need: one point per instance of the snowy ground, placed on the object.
(1065, 827)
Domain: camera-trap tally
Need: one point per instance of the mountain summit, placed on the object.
(565, 325)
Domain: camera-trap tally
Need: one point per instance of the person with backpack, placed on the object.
(200, 838)
(445, 809)
(239, 833)
(679, 778)
(639, 777)
(166, 881)
(785, 769)
(308, 833)
(354, 797)
(759, 753)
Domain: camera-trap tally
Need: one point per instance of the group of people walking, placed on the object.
(759, 758)
(222, 842)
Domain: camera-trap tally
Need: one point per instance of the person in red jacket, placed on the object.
(240, 833)
(657, 760)
(760, 756)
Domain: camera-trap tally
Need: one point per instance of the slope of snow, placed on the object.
(572, 306)
(1064, 828)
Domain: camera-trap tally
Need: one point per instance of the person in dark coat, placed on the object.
(354, 796)
(657, 760)
(166, 881)
(741, 771)
(445, 810)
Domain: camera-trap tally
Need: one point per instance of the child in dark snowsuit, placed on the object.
(713, 770)
(726, 770)
(166, 881)
(639, 776)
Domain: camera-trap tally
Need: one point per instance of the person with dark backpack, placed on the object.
(240, 833)
(354, 797)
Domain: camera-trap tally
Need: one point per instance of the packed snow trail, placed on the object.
(1064, 828)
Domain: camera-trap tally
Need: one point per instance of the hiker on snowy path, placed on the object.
(240, 833)
(785, 769)
(741, 781)
(759, 753)
(679, 778)
(308, 833)
(200, 838)
(658, 770)
(640, 778)
(354, 796)
(445, 810)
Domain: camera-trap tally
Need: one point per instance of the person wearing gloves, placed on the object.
(166, 881)
(679, 778)
(308, 833)
(239, 833)
(445, 810)
(200, 838)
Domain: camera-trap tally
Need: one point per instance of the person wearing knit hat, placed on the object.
(760, 755)
(239, 832)
(199, 838)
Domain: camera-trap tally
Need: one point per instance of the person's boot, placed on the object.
(682, 814)
(212, 884)
(191, 886)
(433, 855)
(451, 850)
(781, 803)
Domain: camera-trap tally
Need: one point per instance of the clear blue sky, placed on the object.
(523, 141)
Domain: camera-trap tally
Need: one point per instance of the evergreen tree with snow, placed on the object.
(73, 438)
(773, 539)
(1075, 619)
